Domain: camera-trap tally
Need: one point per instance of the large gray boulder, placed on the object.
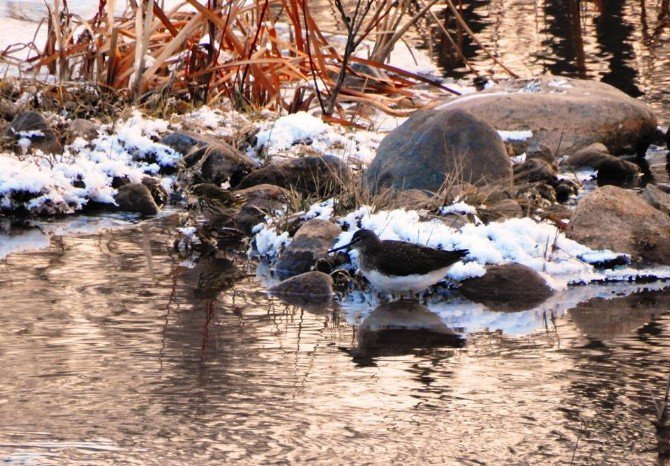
(564, 114)
(622, 221)
(435, 145)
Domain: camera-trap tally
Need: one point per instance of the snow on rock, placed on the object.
(322, 210)
(458, 208)
(291, 129)
(283, 136)
(65, 184)
(268, 241)
(537, 245)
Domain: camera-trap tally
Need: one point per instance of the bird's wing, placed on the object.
(402, 259)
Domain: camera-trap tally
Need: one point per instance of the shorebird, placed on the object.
(217, 205)
(400, 267)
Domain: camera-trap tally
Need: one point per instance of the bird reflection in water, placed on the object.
(211, 275)
(400, 328)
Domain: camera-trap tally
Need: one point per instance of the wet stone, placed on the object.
(657, 198)
(209, 160)
(310, 243)
(621, 220)
(307, 284)
(321, 175)
(136, 197)
(507, 287)
(259, 202)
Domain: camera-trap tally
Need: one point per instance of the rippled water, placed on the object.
(624, 43)
(112, 352)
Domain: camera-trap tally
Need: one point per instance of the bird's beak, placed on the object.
(340, 248)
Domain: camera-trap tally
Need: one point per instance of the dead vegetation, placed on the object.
(261, 54)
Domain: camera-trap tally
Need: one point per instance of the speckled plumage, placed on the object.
(216, 204)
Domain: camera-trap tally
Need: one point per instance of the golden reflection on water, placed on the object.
(111, 352)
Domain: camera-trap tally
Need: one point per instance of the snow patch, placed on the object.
(291, 129)
(520, 135)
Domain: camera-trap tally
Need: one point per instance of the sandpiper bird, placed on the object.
(400, 267)
(217, 205)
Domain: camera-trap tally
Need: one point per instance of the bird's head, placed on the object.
(361, 240)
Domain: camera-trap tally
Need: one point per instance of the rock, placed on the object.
(536, 170)
(184, 141)
(305, 284)
(33, 127)
(260, 201)
(618, 172)
(82, 128)
(611, 169)
(586, 156)
(564, 114)
(564, 189)
(321, 175)
(401, 327)
(311, 242)
(620, 220)
(210, 160)
(535, 150)
(411, 199)
(311, 290)
(507, 287)
(657, 198)
(136, 197)
(8, 110)
(435, 145)
(500, 210)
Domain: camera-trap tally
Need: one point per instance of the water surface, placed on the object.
(112, 352)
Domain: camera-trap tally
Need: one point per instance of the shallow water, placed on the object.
(112, 352)
(624, 43)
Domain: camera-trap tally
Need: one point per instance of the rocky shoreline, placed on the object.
(543, 180)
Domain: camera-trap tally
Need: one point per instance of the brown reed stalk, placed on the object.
(244, 60)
